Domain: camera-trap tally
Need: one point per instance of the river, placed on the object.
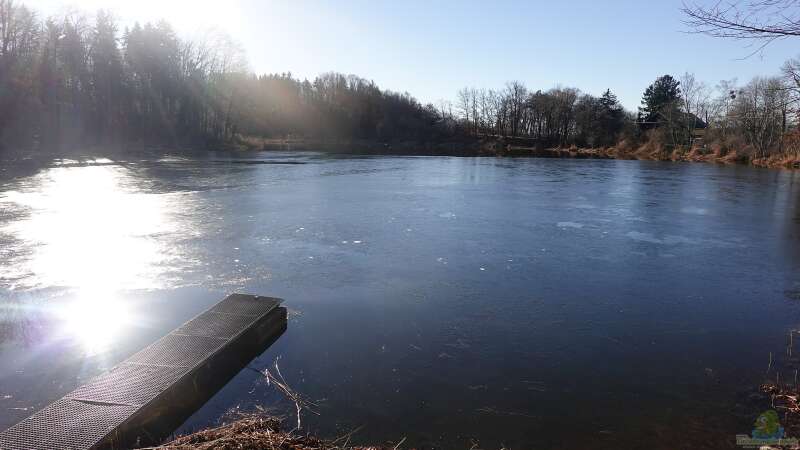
(545, 303)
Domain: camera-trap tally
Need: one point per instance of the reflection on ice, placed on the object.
(569, 225)
(644, 237)
(94, 321)
(89, 232)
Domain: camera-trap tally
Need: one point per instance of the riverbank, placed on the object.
(462, 147)
(258, 432)
(645, 152)
(520, 147)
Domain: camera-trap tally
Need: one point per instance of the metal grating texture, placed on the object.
(131, 400)
(248, 305)
(215, 324)
(129, 384)
(178, 350)
(65, 425)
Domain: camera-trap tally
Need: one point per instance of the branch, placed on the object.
(758, 20)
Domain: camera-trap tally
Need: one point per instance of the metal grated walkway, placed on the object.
(143, 399)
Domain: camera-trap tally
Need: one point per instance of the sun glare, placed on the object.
(95, 321)
(93, 236)
(91, 233)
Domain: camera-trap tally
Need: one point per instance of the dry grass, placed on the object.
(719, 149)
(782, 388)
(301, 404)
(789, 160)
(261, 431)
(785, 400)
(654, 151)
(255, 432)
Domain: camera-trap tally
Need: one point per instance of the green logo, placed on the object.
(768, 426)
(767, 432)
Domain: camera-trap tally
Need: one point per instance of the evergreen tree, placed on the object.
(613, 117)
(660, 98)
(107, 77)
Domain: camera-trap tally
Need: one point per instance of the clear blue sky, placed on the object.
(433, 48)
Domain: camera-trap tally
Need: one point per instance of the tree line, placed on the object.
(70, 81)
(333, 106)
(557, 117)
(73, 80)
(757, 118)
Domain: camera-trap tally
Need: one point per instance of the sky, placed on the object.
(433, 48)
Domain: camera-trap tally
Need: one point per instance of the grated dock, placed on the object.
(143, 399)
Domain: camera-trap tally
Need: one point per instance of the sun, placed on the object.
(95, 321)
(95, 237)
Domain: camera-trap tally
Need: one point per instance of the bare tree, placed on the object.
(760, 113)
(445, 109)
(516, 95)
(473, 105)
(759, 20)
(721, 105)
(488, 110)
(693, 95)
(791, 71)
(464, 105)
(499, 109)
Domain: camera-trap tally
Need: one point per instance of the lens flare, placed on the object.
(95, 322)
(95, 233)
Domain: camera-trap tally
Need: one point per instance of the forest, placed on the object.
(80, 81)
(73, 81)
(754, 119)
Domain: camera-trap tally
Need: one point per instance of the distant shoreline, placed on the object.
(463, 147)
(511, 148)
